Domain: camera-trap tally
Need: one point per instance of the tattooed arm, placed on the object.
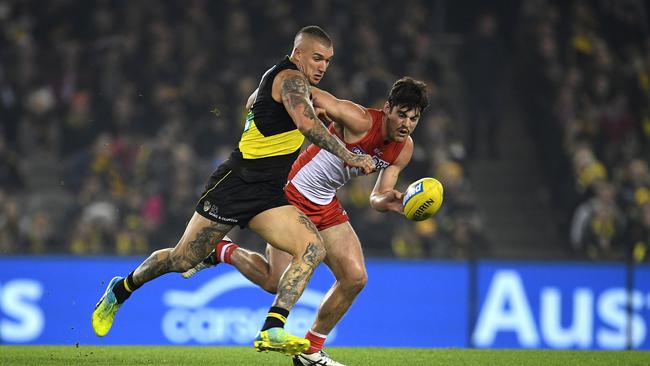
(295, 92)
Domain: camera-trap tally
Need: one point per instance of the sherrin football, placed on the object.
(422, 199)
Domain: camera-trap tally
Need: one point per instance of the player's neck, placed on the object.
(384, 130)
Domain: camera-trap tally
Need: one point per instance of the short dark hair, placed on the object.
(408, 92)
(316, 32)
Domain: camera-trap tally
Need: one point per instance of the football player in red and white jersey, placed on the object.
(313, 181)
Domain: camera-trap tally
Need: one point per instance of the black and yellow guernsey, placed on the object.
(270, 142)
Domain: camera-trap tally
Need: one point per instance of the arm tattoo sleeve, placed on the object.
(321, 137)
(295, 93)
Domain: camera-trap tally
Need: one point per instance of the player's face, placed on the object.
(315, 59)
(401, 122)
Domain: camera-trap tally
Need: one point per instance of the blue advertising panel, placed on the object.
(405, 304)
(552, 305)
(409, 304)
(50, 300)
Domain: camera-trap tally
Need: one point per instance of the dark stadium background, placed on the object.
(113, 113)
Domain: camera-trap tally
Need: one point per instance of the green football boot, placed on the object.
(105, 309)
(278, 340)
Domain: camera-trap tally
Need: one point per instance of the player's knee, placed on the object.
(312, 252)
(177, 262)
(354, 282)
(164, 258)
(270, 287)
(184, 266)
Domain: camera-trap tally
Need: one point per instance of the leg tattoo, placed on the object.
(203, 243)
(303, 219)
(185, 256)
(295, 279)
(314, 254)
(158, 263)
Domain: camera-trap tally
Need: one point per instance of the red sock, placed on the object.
(316, 341)
(224, 250)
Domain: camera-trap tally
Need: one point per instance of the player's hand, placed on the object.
(361, 161)
(394, 201)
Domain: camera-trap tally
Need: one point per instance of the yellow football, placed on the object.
(422, 199)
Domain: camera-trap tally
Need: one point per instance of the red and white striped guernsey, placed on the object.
(317, 173)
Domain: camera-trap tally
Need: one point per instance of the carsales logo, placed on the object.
(192, 318)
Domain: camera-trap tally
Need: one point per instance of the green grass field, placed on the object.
(199, 356)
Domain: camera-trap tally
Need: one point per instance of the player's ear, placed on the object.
(386, 108)
(297, 52)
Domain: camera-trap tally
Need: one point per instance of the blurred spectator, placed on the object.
(598, 225)
(38, 130)
(40, 232)
(131, 239)
(87, 238)
(635, 185)
(589, 171)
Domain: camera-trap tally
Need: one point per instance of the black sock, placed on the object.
(124, 288)
(276, 318)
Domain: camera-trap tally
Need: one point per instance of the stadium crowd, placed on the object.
(584, 81)
(114, 112)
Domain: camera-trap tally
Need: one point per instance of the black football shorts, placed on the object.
(234, 197)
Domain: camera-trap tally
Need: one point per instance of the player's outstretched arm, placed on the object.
(295, 91)
(354, 117)
(384, 196)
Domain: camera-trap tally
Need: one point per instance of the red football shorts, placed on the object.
(323, 216)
